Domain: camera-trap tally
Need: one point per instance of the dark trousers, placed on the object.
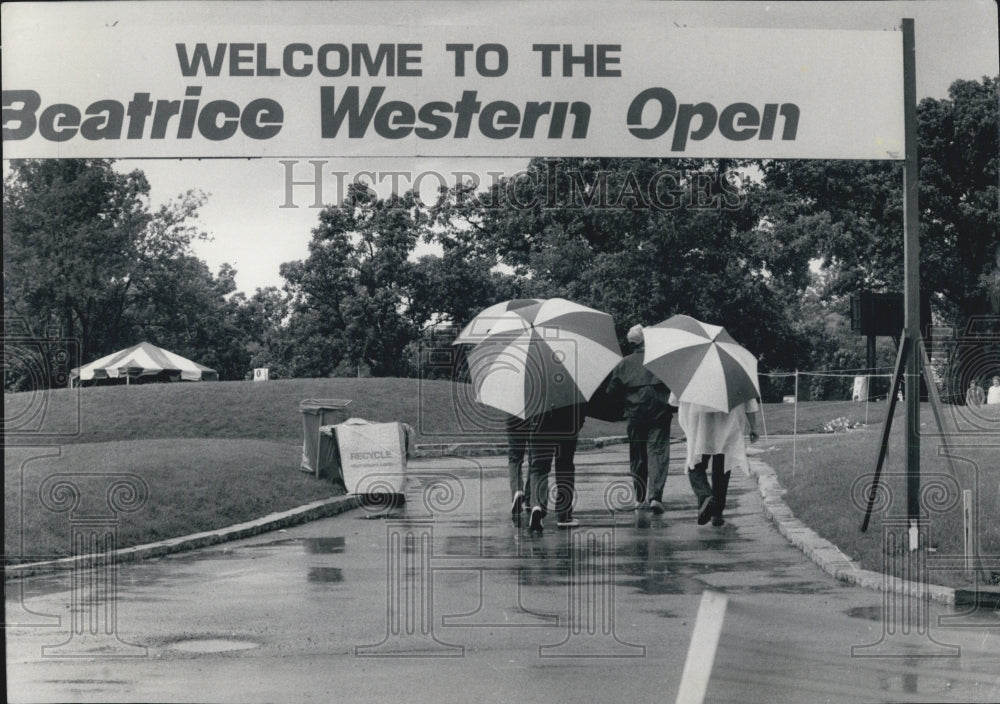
(518, 431)
(719, 487)
(649, 455)
(553, 439)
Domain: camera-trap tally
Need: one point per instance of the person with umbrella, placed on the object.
(517, 429)
(554, 440)
(649, 414)
(714, 436)
(714, 383)
(542, 362)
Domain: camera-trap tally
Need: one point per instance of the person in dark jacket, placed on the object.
(649, 415)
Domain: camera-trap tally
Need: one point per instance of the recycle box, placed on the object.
(372, 456)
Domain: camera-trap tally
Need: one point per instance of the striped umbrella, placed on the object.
(550, 354)
(477, 329)
(701, 363)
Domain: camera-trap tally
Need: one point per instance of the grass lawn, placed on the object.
(827, 478)
(439, 411)
(190, 486)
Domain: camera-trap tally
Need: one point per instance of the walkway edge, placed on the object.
(273, 521)
(824, 553)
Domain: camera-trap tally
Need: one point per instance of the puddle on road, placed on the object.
(672, 584)
(324, 546)
(870, 613)
(910, 680)
(325, 575)
(212, 645)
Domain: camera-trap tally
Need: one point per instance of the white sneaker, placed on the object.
(517, 505)
(536, 520)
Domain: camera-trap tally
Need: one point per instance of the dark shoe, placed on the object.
(718, 521)
(656, 507)
(567, 521)
(536, 520)
(706, 510)
(699, 483)
(517, 505)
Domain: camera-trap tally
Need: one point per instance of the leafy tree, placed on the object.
(84, 253)
(834, 347)
(261, 320)
(183, 307)
(642, 239)
(73, 233)
(860, 204)
(859, 207)
(352, 298)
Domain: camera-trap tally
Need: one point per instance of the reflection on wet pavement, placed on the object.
(212, 645)
(325, 575)
(324, 546)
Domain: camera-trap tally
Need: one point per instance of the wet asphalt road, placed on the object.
(447, 599)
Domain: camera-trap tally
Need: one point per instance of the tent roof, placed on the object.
(144, 359)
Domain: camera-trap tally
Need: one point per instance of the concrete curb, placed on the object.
(273, 521)
(827, 555)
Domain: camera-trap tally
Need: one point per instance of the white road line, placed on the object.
(701, 651)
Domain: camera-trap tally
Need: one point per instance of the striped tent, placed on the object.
(143, 360)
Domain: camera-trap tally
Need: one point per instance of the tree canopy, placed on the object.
(85, 255)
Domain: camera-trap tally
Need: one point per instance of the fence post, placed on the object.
(967, 533)
(795, 422)
(868, 395)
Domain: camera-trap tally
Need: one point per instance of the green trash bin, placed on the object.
(317, 412)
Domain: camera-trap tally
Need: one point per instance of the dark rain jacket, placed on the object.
(644, 394)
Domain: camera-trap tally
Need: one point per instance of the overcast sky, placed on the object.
(954, 39)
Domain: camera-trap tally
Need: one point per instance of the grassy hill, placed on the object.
(439, 411)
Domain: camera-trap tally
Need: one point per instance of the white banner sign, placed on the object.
(305, 79)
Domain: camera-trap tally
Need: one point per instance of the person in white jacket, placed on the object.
(993, 393)
(716, 437)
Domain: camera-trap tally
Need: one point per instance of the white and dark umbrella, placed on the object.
(701, 363)
(546, 355)
(479, 327)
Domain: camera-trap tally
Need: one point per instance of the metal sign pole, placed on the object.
(908, 360)
(911, 276)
